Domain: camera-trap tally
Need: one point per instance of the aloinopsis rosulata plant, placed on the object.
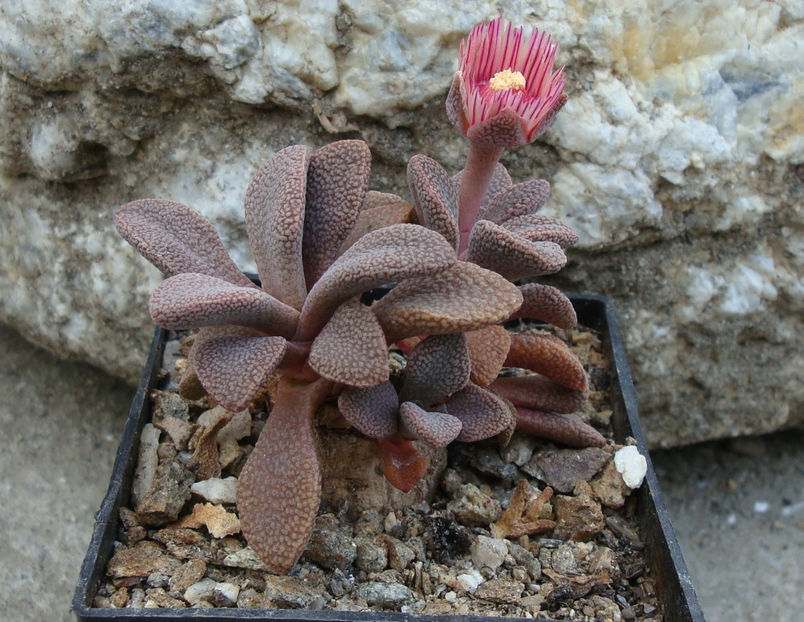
(320, 240)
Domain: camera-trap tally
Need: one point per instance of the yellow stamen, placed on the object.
(506, 79)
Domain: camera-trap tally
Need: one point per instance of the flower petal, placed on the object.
(337, 179)
(175, 238)
(372, 410)
(190, 300)
(512, 256)
(275, 201)
(351, 347)
(463, 297)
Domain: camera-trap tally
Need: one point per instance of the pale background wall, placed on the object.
(678, 158)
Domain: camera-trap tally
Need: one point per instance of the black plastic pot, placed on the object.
(662, 551)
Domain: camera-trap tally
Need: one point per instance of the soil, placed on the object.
(530, 529)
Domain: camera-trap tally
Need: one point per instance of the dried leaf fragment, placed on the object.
(215, 518)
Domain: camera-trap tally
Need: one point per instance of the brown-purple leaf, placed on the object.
(372, 410)
(191, 300)
(566, 429)
(510, 255)
(436, 428)
(279, 488)
(482, 413)
(383, 211)
(175, 238)
(538, 228)
(434, 197)
(524, 198)
(540, 393)
(488, 348)
(437, 367)
(387, 255)
(351, 347)
(547, 304)
(233, 369)
(337, 179)
(463, 297)
(275, 201)
(549, 356)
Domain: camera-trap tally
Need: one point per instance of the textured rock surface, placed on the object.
(678, 158)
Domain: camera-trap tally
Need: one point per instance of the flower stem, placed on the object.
(474, 184)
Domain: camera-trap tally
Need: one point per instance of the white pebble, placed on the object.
(631, 465)
(761, 507)
(489, 552)
(216, 490)
(470, 580)
(202, 590)
(450, 596)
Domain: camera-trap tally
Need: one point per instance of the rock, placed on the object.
(141, 560)
(474, 508)
(147, 461)
(225, 594)
(245, 558)
(216, 490)
(399, 554)
(672, 166)
(215, 518)
(526, 559)
(563, 560)
(562, 468)
(468, 581)
(187, 574)
(501, 591)
(578, 517)
(519, 450)
(169, 490)
(609, 487)
(488, 552)
(386, 595)
(631, 465)
(291, 593)
(330, 547)
(486, 460)
(203, 590)
(371, 554)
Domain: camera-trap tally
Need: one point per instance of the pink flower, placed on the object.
(505, 92)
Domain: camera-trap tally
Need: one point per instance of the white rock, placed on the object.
(488, 552)
(203, 590)
(147, 462)
(216, 490)
(632, 465)
(469, 581)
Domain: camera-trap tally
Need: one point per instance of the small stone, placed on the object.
(526, 559)
(185, 543)
(500, 591)
(488, 552)
(290, 592)
(187, 574)
(119, 599)
(372, 555)
(216, 490)
(141, 560)
(468, 581)
(562, 468)
(386, 595)
(157, 598)
(519, 450)
(632, 465)
(329, 546)
(249, 598)
(225, 594)
(168, 491)
(601, 560)
(578, 517)
(487, 460)
(147, 461)
(610, 488)
(563, 560)
(215, 518)
(399, 554)
(239, 427)
(245, 558)
(390, 522)
(474, 508)
(202, 590)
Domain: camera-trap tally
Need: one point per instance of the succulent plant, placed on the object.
(307, 322)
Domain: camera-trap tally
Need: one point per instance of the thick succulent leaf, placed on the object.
(279, 488)
(538, 228)
(175, 238)
(547, 304)
(565, 429)
(505, 129)
(434, 197)
(454, 105)
(387, 255)
(482, 413)
(351, 347)
(436, 428)
(437, 367)
(539, 393)
(500, 181)
(463, 297)
(403, 464)
(275, 201)
(380, 212)
(518, 200)
(372, 410)
(549, 356)
(512, 256)
(488, 348)
(233, 369)
(191, 300)
(337, 179)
